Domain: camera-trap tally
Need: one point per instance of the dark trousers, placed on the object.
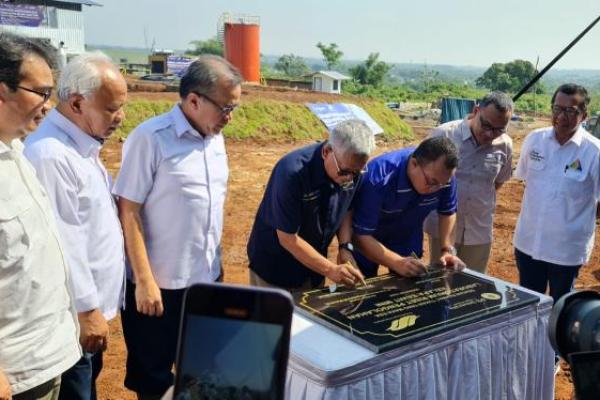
(79, 381)
(538, 275)
(151, 342)
(45, 391)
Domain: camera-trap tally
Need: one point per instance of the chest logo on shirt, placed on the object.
(535, 156)
(574, 166)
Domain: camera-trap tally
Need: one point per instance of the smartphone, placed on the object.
(233, 343)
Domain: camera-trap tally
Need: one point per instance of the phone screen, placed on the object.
(223, 358)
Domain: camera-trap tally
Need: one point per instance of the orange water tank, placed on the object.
(242, 49)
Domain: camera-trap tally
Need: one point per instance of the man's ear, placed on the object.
(4, 90)
(326, 150)
(75, 103)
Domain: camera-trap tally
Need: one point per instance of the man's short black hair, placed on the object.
(571, 89)
(500, 100)
(430, 150)
(203, 75)
(14, 48)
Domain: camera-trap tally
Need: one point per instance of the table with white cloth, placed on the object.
(506, 356)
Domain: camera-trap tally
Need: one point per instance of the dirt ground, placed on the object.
(250, 165)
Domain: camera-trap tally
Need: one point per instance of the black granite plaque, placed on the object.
(391, 311)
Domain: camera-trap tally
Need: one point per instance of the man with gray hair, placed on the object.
(485, 163)
(305, 205)
(171, 192)
(38, 323)
(65, 151)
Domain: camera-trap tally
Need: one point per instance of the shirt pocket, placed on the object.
(572, 182)
(492, 164)
(15, 243)
(14, 240)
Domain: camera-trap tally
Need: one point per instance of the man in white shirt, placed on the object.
(485, 163)
(561, 169)
(65, 152)
(171, 190)
(38, 325)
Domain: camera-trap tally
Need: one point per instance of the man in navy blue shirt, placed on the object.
(398, 191)
(305, 204)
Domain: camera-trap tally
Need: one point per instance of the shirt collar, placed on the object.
(577, 137)
(86, 145)
(181, 123)
(15, 145)
(465, 130)
(317, 167)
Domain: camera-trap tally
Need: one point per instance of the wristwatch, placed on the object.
(347, 246)
(448, 249)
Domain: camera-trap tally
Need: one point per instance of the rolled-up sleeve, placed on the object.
(139, 164)
(61, 185)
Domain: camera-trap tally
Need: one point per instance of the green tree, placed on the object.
(370, 72)
(331, 54)
(209, 46)
(292, 65)
(509, 77)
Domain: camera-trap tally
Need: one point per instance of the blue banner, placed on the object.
(21, 15)
(178, 65)
(333, 113)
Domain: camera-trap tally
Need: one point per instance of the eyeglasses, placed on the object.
(570, 112)
(430, 182)
(346, 172)
(223, 109)
(488, 128)
(46, 94)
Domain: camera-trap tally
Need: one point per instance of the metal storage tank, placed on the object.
(241, 37)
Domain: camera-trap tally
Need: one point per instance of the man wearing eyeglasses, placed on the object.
(38, 324)
(560, 165)
(65, 151)
(398, 191)
(485, 163)
(171, 190)
(305, 205)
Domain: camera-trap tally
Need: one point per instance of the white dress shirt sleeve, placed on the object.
(60, 183)
(139, 164)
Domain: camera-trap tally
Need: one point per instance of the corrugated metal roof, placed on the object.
(333, 75)
(84, 2)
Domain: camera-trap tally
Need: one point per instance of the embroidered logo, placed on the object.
(535, 156)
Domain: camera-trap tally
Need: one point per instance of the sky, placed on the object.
(454, 32)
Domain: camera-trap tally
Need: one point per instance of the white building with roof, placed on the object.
(328, 81)
(56, 21)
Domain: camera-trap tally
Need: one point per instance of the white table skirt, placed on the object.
(505, 357)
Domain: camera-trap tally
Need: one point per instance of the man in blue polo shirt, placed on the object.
(398, 191)
(305, 204)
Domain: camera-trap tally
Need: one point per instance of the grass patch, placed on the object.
(271, 120)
